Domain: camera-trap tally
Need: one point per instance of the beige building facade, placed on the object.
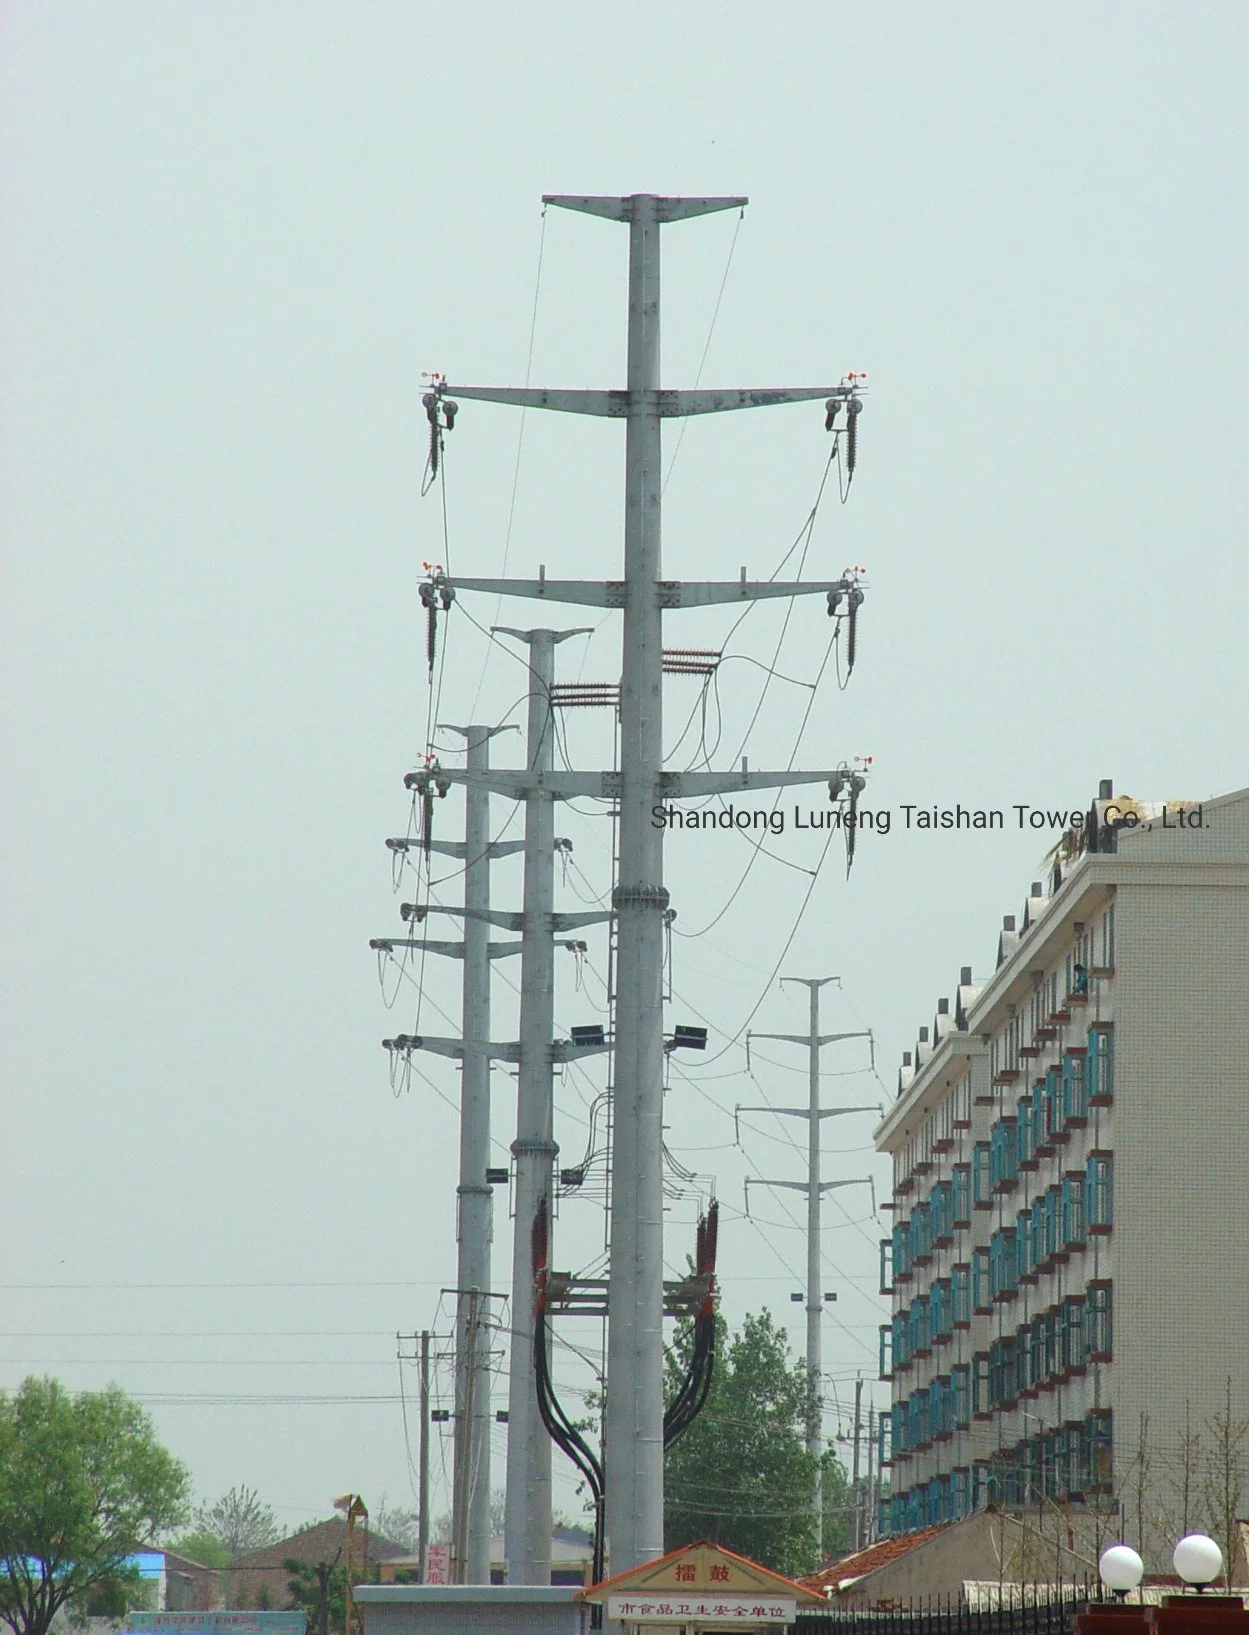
(1070, 1209)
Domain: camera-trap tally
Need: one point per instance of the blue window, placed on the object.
(1073, 1211)
(920, 1332)
(1036, 1353)
(960, 1386)
(1003, 1165)
(901, 1258)
(1101, 1447)
(980, 1383)
(996, 1387)
(1052, 1211)
(1037, 1114)
(942, 1212)
(900, 1343)
(1099, 1200)
(1023, 1133)
(884, 1440)
(981, 1295)
(921, 1234)
(886, 1265)
(1098, 1316)
(1075, 1102)
(897, 1427)
(981, 1185)
(1037, 1231)
(940, 1314)
(1073, 1333)
(961, 1203)
(1053, 1105)
(1100, 1066)
(886, 1351)
(961, 1483)
(917, 1419)
(1002, 1263)
(1023, 1244)
(960, 1296)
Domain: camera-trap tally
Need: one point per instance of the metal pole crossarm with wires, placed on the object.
(634, 1398)
(815, 1188)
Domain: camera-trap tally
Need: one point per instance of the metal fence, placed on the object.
(1051, 1610)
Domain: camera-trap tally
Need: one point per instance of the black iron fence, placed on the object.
(1048, 1610)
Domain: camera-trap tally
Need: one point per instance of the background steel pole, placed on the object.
(815, 1294)
(471, 1486)
(634, 1452)
(527, 1523)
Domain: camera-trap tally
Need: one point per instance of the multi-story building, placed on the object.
(1070, 1203)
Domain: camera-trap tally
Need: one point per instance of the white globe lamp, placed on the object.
(1198, 1560)
(1120, 1569)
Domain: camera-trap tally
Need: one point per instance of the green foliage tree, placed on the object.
(320, 1588)
(837, 1510)
(206, 1548)
(742, 1475)
(84, 1484)
(240, 1520)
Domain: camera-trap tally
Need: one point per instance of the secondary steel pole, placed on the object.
(471, 1483)
(423, 1490)
(815, 1295)
(527, 1521)
(634, 1451)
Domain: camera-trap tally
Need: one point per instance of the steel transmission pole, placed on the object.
(634, 1417)
(635, 1409)
(470, 1505)
(815, 1188)
(527, 1522)
(470, 1508)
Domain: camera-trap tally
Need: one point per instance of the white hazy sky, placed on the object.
(233, 237)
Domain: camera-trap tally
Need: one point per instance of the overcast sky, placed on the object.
(233, 238)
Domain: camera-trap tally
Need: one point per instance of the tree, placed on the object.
(837, 1508)
(1223, 1483)
(399, 1526)
(84, 1484)
(240, 1520)
(206, 1548)
(742, 1475)
(320, 1588)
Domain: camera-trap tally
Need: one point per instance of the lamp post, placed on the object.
(1199, 1561)
(1120, 1570)
(356, 1511)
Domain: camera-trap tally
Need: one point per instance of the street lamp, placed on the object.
(1198, 1560)
(355, 1510)
(1120, 1569)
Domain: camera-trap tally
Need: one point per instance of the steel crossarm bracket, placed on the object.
(615, 405)
(805, 1038)
(563, 1050)
(430, 945)
(516, 785)
(802, 1112)
(669, 593)
(805, 1186)
(509, 920)
(454, 848)
(617, 207)
(457, 1048)
(608, 785)
(685, 785)
(674, 593)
